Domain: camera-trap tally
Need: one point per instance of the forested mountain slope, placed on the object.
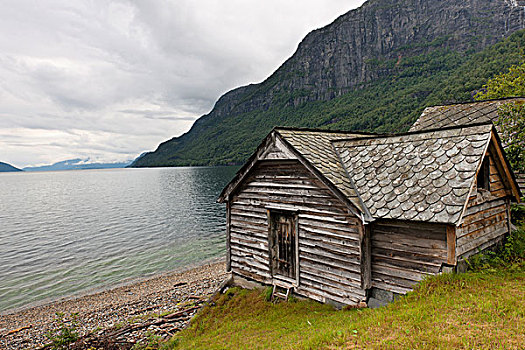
(373, 69)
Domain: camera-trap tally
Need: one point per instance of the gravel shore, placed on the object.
(116, 308)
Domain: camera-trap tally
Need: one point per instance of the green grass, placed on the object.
(483, 309)
(509, 256)
(474, 310)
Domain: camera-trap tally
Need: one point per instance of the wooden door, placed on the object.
(282, 239)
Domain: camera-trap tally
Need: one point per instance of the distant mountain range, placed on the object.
(77, 164)
(4, 168)
(373, 69)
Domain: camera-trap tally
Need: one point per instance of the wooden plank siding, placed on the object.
(486, 219)
(403, 253)
(520, 177)
(329, 239)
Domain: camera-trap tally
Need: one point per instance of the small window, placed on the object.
(483, 179)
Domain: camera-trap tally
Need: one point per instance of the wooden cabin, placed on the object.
(344, 217)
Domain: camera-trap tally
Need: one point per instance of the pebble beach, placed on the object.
(126, 314)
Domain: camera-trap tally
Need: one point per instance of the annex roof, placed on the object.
(461, 114)
(465, 114)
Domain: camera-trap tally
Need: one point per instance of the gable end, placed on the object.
(274, 148)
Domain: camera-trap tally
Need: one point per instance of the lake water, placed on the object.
(62, 233)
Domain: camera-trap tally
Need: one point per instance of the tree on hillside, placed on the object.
(511, 122)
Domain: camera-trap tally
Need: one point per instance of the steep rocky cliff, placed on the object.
(362, 54)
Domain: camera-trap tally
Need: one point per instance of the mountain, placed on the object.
(76, 164)
(373, 69)
(4, 167)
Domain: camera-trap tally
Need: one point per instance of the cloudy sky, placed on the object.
(110, 79)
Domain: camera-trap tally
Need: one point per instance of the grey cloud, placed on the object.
(169, 118)
(158, 115)
(127, 75)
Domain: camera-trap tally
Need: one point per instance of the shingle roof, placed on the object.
(465, 114)
(423, 176)
(460, 114)
(316, 147)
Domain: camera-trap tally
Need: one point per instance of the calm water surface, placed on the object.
(65, 232)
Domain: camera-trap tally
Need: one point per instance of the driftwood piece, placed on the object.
(115, 338)
(14, 331)
(179, 314)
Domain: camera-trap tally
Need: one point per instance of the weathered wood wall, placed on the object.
(486, 219)
(403, 253)
(329, 243)
(520, 177)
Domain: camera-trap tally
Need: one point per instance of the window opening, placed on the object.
(483, 179)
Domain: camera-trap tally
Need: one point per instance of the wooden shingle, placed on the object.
(423, 176)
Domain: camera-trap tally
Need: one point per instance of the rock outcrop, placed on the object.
(359, 48)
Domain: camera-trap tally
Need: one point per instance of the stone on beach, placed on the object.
(163, 295)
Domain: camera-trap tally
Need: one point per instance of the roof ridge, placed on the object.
(421, 131)
(474, 102)
(291, 128)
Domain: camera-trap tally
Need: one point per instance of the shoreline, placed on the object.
(100, 289)
(114, 305)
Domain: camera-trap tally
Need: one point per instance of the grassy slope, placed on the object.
(484, 309)
(474, 310)
(391, 104)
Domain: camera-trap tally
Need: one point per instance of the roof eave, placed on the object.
(245, 169)
(473, 183)
(515, 188)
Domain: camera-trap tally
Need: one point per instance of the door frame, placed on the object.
(276, 277)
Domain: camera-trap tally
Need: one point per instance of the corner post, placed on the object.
(451, 245)
(366, 255)
(509, 218)
(228, 236)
